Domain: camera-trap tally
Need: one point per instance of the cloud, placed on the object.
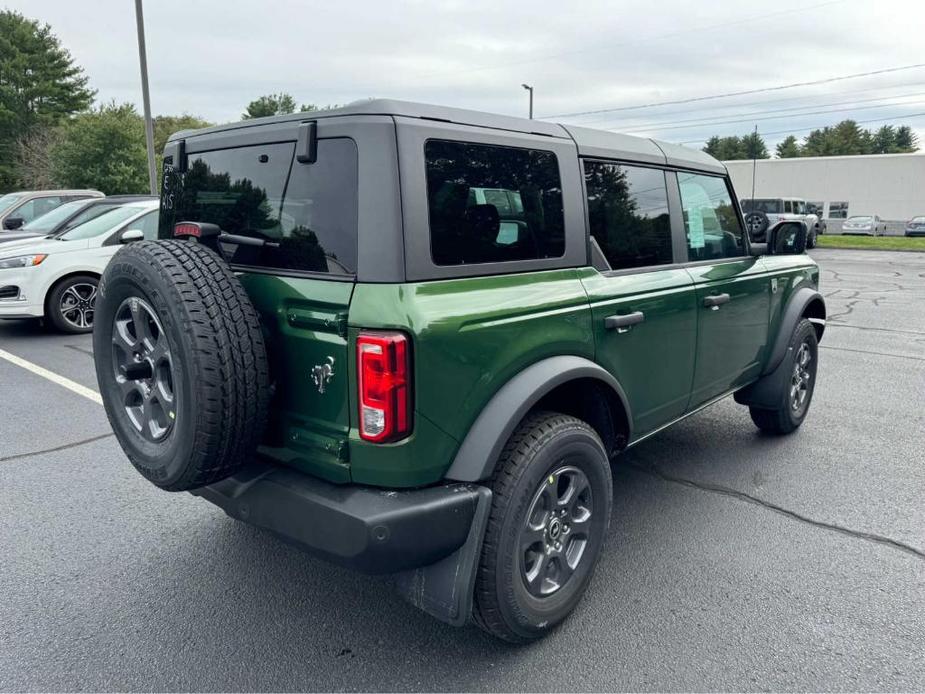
(211, 57)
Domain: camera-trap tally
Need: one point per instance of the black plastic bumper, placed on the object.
(367, 529)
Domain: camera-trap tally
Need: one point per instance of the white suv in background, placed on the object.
(56, 277)
(778, 210)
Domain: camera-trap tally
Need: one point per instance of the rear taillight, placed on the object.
(384, 375)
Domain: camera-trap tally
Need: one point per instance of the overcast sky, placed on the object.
(211, 57)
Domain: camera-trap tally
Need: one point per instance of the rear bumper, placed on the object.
(363, 528)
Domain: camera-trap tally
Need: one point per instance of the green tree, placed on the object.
(750, 146)
(884, 140)
(103, 149)
(40, 86)
(165, 126)
(272, 105)
(753, 147)
(788, 148)
(906, 140)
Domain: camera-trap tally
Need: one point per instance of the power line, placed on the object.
(765, 102)
(791, 131)
(741, 93)
(789, 115)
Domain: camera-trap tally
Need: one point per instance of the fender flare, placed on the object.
(479, 452)
(765, 392)
(794, 310)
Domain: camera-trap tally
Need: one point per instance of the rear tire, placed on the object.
(181, 363)
(796, 397)
(552, 496)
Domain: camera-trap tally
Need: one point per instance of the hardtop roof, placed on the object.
(590, 142)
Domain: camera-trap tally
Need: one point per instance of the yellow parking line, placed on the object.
(74, 387)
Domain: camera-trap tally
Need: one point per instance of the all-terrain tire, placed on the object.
(544, 443)
(788, 416)
(218, 383)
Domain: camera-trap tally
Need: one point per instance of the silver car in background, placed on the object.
(869, 225)
(916, 226)
(21, 207)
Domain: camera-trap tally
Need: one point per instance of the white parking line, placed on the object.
(88, 393)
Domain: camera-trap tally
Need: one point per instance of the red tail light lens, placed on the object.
(384, 373)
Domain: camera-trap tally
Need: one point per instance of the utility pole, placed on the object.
(529, 89)
(146, 98)
(754, 164)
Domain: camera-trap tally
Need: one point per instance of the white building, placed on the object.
(889, 185)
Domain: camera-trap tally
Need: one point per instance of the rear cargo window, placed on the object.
(491, 204)
(308, 212)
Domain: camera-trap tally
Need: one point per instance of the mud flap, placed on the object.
(445, 589)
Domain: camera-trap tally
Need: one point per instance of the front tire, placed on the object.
(797, 393)
(71, 304)
(552, 496)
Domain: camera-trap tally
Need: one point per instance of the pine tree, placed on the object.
(40, 86)
(753, 147)
(788, 148)
(906, 140)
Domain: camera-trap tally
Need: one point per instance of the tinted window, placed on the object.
(628, 213)
(710, 220)
(788, 207)
(102, 224)
(91, 212)
(492, 204)
(310, 224)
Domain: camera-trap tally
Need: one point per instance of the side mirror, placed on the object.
(11, 223)
(787, 238)
(130, 235)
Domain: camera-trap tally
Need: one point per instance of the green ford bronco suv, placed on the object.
(410, 339)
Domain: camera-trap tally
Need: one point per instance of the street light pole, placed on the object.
(529, 89)
(146, 98)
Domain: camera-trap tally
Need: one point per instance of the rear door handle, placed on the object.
(623, 323)
(714, 301)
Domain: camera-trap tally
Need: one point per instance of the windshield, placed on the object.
(861, 220)
(918, 220)
(102, 224)
(86, 215)
(7, 201)
(50, 220)
(762, 205)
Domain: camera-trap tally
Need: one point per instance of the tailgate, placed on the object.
(306, 324)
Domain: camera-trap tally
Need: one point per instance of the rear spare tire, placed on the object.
(181, 363)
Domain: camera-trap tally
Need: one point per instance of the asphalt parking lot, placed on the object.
(735, 560)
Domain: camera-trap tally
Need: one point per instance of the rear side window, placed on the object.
(710, 220)
(628, 214)
(492, 204)
(306, 212)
